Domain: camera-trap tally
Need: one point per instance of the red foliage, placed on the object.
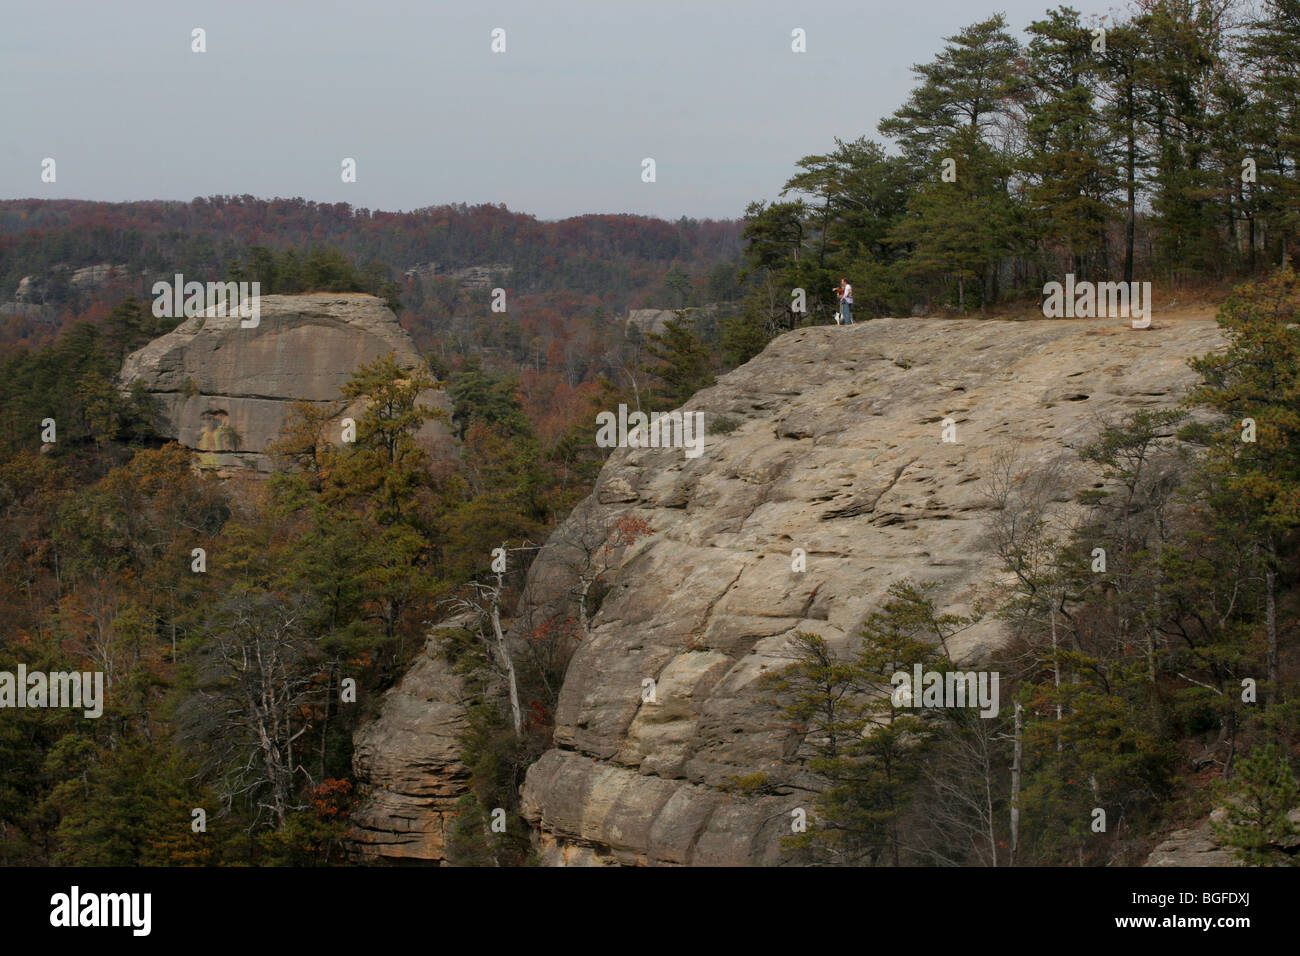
(331, 799)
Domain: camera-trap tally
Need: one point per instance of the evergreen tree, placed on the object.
(1185, 44)
(683, 363)
(867, 744)
(956, 233)
(1272, 52)
(962, 89)
(1069, 161)
(1258, 378)
(1122, 67)
(1257, 807)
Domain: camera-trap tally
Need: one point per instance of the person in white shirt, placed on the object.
(845, 292)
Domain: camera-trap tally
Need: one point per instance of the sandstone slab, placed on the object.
(226, 390)
(839, 451)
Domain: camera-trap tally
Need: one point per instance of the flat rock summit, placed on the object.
(832, 442)
(225, 390)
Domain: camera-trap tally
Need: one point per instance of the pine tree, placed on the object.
(1258, 378)
(1257, 807)
(962, 89)
(1069, 162)
(683, 363)
(1122, 67)
(867, 746)
(956, 233)
(1272, 51)
(1185, 44)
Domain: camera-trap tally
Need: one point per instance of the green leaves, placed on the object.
(683, 363)
(963, 87)
(1257, 808)
(871, 753)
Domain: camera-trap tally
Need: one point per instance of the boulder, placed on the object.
(226, 390)
(408, 764)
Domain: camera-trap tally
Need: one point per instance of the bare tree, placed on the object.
(962, 798)
(257, 673)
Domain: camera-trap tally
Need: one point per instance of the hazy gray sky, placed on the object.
(556, 126)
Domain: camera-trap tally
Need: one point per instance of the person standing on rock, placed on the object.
(845, 292)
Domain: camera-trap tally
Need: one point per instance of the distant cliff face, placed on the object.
(225, 390)
(830, 442)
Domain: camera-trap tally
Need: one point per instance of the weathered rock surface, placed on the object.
(226, 390)
(652, 321)
(408, 762)
(837, 450)
(833, 446)
(1200, 846)
(1194, 846)
(468, 278)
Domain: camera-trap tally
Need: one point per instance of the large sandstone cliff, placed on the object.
(833, 447)
(225, 390)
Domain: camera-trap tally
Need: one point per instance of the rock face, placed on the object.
(470, 277)
(1194, 846)
(1200, 846)
(409, 762)
(652, 321)
(649, 321)
(836, 450)
(831, 442)
(225, 390)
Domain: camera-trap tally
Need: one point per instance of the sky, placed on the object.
(556, 125)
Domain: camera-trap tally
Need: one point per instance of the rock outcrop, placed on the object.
(1200, 846)
(225, 390)
(468, 278)
(409, 763)
(830, 442)
(652, 321)
(1194, 846)
(836, 449)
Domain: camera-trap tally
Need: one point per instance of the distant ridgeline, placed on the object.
(55, 253)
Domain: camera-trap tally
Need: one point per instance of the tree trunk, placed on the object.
(988, 803)
(1056, 673)
(1130, 230)
(325, 722)
(1270, 618)
(1015, 785)
(505, 660)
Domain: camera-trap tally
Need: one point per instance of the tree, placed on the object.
(254, 675)
(867, 747)
(1070, 162)
(1258, 378)
(678, 283)
(1274, 80)
(959, 231)
(1121, 66)
(1257, 824)
(683, 362)
(1185, 43)
(962, 89)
